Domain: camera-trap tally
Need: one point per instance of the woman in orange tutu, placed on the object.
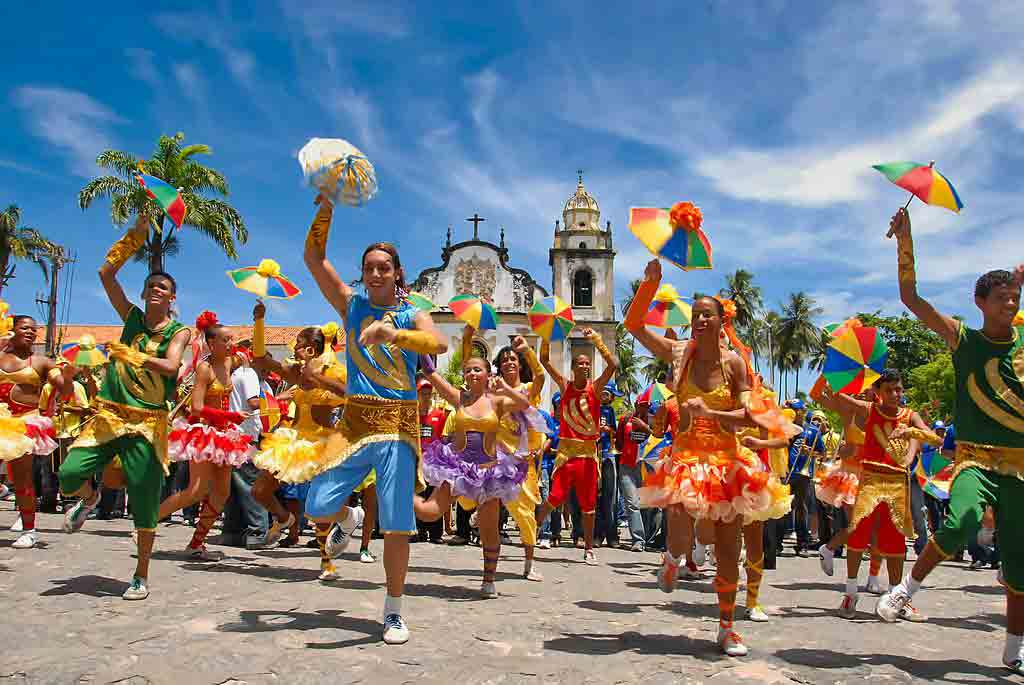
(706, 476)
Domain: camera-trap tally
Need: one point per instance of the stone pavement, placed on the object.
(261, 617)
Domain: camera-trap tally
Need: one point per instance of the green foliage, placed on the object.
(629, 362)
(453, 372)
(932, 388)
(740, 288)
(22, 243)
(910, 343)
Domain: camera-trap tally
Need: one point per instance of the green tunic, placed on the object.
(989, 389)
(142, 388)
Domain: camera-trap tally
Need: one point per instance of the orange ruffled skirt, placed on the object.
(716, 480)
(839, 484)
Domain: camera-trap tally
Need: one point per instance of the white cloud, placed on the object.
(143, 66)
(69, 120)
(213, 32)
(192, 84)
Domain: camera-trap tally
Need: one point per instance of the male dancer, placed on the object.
(131, 409)
(576, 466)
(989, 370)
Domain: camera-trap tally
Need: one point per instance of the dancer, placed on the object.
(989, 434)
(704, 475)
(576, 466)
(882, 507)
(521, 371)
(131, 408)
(294, 455)
(379, 429)
(210, 440)
(476, 466)
(24, 432)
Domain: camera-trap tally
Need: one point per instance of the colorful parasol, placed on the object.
(84, 353)
(651, 451)
(6, 320)
(924, 182)
(668, 309)
(474, 311)
(935, 473)
(164, 194)
(673, 234)
(264, 280)
(270, 411)
(656, 393)
(551, 318)
(837, 329)
(855, 359)
(339, 170)
(420, 302)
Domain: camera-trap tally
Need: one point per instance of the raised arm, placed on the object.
(335, 290)
(446, 390)
(545, 360)
(167, 366)
(611, 362)
(849, 406)
(119, 253)
(658, 345)
(510, 400)
(520, 346)
(945, 326)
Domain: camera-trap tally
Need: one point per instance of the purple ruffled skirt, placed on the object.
(473, 473)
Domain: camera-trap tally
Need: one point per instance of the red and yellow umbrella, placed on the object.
(474, 311)
(84, 353)
(855, 360)
(668, 309)
(264, 280)
(924, 182)
(551, 318)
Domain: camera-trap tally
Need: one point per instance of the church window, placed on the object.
(583, 289)
(583, 245)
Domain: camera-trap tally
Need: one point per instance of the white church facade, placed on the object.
(582, 273)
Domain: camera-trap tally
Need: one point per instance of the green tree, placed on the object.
(453, 371)
(798, 334)
(655, 370)
(911, 344)
(175, 163)
(19, 242)
(740, 288)
(629, 362)
(932, 387)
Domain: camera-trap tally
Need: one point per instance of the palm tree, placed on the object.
(453, 371)
(20, 242)
(629, 362)
(740, 288)
(655, 370)
(628, 300)
(816, 355)
(174, 163)
(798, 333)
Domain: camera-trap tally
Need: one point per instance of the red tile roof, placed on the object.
(275, 335)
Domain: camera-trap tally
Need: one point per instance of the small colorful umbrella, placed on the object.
(164, 194)
(656, 393)
(935, 473)
(668, 309)
(420, 302)
(264, 280)
(474, 311)
(84, 353)
(923, 181)
(837, 329)
(551, 318)
(854, 360)
(673, 234)
(650, 451)
(339, 170)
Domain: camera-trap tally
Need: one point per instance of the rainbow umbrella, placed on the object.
(674, 234)
(935, 473)
(420, 302)
(923, 181)
(656, 393)
(668, 309)
(84, 353)
(854, 360)
(264, 280)
(837, 329)
(164, 194)
(551, 318)
(474, 311)
(650, 451)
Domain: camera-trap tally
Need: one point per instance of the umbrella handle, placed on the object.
(909, 201)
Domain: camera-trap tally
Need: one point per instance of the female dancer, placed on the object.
(379, 429)
(209, 440)
(23, 432)
(705, 475)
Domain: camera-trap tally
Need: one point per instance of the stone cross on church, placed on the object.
(475, 220)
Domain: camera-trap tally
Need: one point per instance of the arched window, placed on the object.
(583, 245)
(583, 289)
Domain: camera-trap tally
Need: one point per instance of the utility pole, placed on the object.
(58, 260)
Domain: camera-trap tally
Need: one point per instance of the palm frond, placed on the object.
(195, 149)
(123, 163)
(101, 188)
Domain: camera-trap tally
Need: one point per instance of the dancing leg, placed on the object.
(727, 552)
(490, 541)
(753, 537)
(369, 521)
(678, 542)
(200, 475)
(25, 500)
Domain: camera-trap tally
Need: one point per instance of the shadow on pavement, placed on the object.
(273, 621)
(937, 670)
(288, 574)
(632, 641)
(92, 586)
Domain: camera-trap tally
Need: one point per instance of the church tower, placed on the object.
(582, 271)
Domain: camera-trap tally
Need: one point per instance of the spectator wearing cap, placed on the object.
(606, 526)
(631, 436)
(803, 449)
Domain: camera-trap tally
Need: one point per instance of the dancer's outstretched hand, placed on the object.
(653, 270)
(259, 311)
(899, 226)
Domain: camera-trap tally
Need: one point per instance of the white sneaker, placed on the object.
(395, 630)
(365, 556)
(328, 574)
(757, 615)
(909, 613)
(4, 491)
(828, 560)
(848, 607)
(27, 540)
(891, 604)
(544, 544)
(731, 643)
(137, 590)
(277, 529)
(200, 553)
(75, 518)
(17, 526)
(589, 557)
(876, 586)
(341, 534)
(474, 518)
(488, 591)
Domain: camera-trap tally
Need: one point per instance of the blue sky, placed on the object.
(768, 115)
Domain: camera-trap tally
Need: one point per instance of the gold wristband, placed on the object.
(533, 363)
(927, 437)
(905, 257)
(316, 239)
(420, 342)
(127, 355)
(121, 251)
(597, 342)
(259, 343)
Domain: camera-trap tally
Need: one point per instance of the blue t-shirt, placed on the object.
(380, 370)
(548, 461)
(803, 448)
(949, 440)
(607, 418)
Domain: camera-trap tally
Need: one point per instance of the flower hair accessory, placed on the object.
(330, 330)
(728, 308)
(206, 321)
(686, 215)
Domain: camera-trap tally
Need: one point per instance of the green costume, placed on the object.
(989, 448)
(130, 422)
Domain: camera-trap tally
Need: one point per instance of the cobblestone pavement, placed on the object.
(262, 617)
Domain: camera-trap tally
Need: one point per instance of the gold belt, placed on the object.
(1008, 461)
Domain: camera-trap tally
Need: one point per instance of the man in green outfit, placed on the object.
(989, 368)
(131, 409)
